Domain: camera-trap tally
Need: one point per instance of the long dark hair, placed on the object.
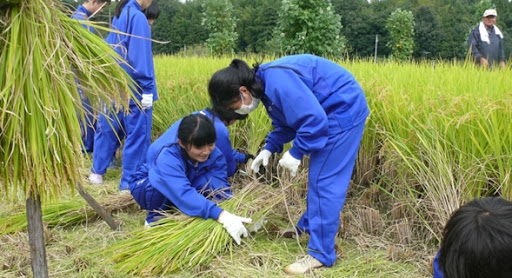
(119, 7)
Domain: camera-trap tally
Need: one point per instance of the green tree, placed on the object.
(427, 33)
(400, 26)
(308, 26)
(257, 19)
(219, 20)
(40, 141)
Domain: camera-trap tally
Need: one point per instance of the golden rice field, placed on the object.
(438, 135)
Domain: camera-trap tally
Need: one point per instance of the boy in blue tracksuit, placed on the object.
(184, 170)
(83, 12)
(135, 49)
(223, 142)
(319, 106)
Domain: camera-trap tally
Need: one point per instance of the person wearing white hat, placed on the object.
(486, 42)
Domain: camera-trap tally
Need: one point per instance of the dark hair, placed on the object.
(224, 86)
(226, 115)
(102, 1)
(196, 130)
(477, 240)
(152, 11)
(119, 7)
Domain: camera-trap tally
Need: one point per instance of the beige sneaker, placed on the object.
(303, 265)
(96, 178)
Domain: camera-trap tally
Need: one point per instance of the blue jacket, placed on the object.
(82, 13)
(223, 142)
(309, 98)
(184, 183)
(136, 48)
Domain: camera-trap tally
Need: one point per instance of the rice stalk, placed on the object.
(65, 214)
(178, 243)
(42, 50)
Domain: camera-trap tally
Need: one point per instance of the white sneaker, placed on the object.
(124, 191)
(146, 225)
(303, 265)
(96, 178)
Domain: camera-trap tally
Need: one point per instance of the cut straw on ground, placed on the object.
(179, 242)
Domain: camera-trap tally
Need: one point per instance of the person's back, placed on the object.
(477, 241)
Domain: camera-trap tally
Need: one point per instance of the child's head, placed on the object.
(152, 12)
(95, 6)
(477, 240)
(196, 135)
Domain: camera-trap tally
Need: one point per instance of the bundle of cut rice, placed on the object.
(180, 242)
(65, 214)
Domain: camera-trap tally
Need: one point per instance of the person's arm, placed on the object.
(169, 177)
(302, 112)
(223, 143)
(212, 177)
(140, 55)
(473, 43)
(502, 55)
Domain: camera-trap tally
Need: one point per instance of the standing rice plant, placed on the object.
(178, 242)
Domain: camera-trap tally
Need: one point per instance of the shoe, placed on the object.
(96, 178)
(124, 191)
(147, 225)
(292, 233)
(289, 234)
(303, 265)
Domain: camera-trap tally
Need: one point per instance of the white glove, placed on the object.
(234, 225)
(289, 162)
(262, 157)
(147, 101)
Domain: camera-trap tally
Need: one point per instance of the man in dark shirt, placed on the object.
(486, 42)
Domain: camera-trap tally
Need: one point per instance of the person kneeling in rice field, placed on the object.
(184, 170)
(222, 119)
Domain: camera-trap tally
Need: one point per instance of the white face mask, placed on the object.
(246, 109)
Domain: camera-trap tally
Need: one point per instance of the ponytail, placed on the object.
(119, 7)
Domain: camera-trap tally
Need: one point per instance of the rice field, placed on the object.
(438, 135)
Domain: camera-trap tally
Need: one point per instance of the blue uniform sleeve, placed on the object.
(223, 143)
(302, 113)
(438, 273)
(238, 156)
(135, 48)
(140, 55)
(214, 182)
(169, 177)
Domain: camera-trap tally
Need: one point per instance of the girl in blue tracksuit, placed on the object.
(223, 142)
(319, 106)
(83, 12)
(184, 170)
(135, 49)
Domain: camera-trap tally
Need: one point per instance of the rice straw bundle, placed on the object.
(181, 242)
(65, 214)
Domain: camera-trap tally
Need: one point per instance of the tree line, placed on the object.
(341, 28)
